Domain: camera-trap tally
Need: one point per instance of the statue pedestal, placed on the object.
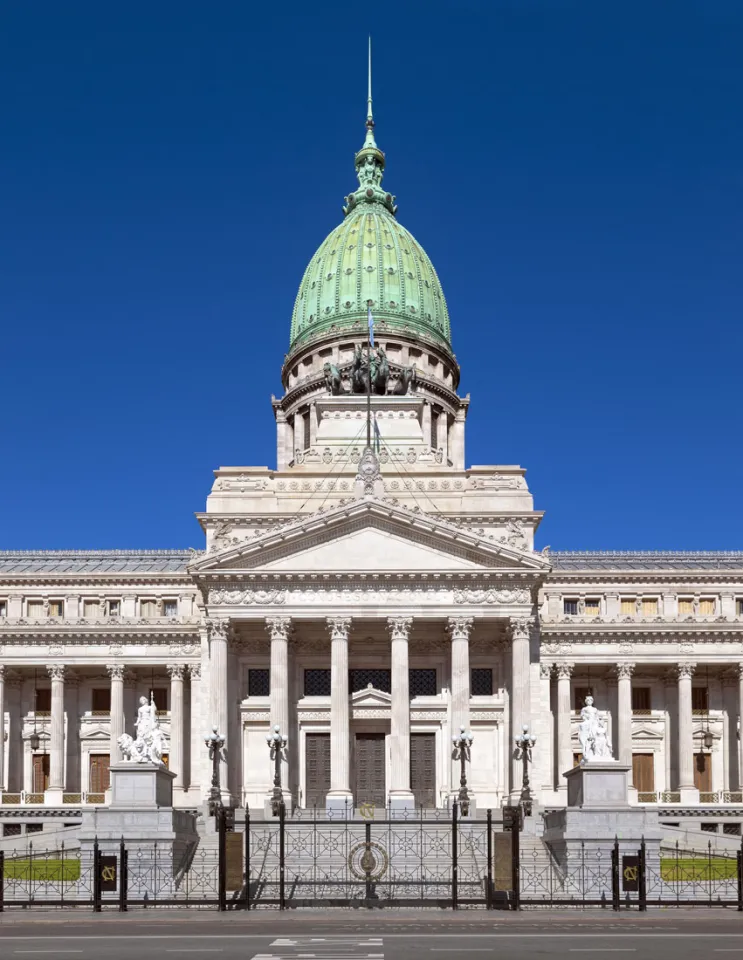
(598, 783)
(141, 785)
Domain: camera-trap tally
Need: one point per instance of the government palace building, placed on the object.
(371, 595)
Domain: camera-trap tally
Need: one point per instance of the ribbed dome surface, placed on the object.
(370, 256)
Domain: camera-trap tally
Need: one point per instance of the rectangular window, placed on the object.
(11, 829)
(114, 608)
(259, 682)
(317, 683)
(170, 608)
(148, 608)
(739, 607)
(34, 827)
(3, 608)
(707, 606)
(101, 701)
(709, 827)
(481, 682)
(593, 607)
(361, 679)
(628, 606)
(35, 609)
(731, 829)
(640, 701)
(699, 700)
(686, 606)
(579, 697)
(570, 608)
(422, 682)
(649, 607)
(56, 608)
(90, 609)
(43, 701)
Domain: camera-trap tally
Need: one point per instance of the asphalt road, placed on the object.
(359, 934)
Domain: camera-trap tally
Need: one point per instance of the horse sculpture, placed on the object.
(404, 382)
(359, 381)
(380, 371)
(332, 378)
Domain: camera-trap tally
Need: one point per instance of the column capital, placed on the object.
(56, 671)
(399, 627)
(521, 627)
(176, 671)
(116, 671)
(279, 628)
(624, 671)
(459, 628)
(218, 629)
(339, 627)
(684, 671)
(564, 670)
(546, 670)
(195, 670)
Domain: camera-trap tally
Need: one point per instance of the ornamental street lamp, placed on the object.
(215, 745)
(277, 741)
(524, 746)
(462, 744)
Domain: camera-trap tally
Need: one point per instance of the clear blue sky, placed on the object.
(574, 170)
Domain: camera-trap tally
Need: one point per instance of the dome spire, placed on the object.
(369, 162)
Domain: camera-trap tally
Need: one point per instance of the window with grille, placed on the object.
(731, 829)
(361, 679)
(593, 607)
(34, 827)
(699, 700)
(170, 608)
(707, 606)
(579, 697)
(686, 605)
(649, 607)
(422, 682)
(481, 682)
(11, 829)
(317, 683)
(640, 701)
(101, 701)
(570, 608)
(627, 606)
(43, 701)
(259, 682)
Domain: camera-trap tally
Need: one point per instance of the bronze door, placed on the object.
(317, 768)
(370, 778)
(643, 774)
(703, 772)
(41, 772)
(423, 768)
(100, 776)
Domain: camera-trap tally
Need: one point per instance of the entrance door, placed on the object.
(423, 768)
(370, 779)
(643, 774)
(703, 772)
(41, 772)
(100, 776)
(316, 768)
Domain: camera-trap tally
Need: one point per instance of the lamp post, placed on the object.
(215, 745)
(277, 741)
(524, 746)
(462, 744)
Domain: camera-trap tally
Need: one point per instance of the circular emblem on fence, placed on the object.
(368, 861)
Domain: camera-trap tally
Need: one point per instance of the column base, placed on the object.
(339, 803)
(689, 795)
(400, 802)
(53, 797)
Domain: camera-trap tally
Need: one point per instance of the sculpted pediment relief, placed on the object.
(370, 535)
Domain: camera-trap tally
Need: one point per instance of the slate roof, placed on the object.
(569, 560)
(41, 562)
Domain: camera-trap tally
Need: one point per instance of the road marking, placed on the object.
(395, 936)
(603, 949)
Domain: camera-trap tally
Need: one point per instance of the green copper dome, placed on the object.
(370, 257)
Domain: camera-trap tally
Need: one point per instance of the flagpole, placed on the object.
(368, 384)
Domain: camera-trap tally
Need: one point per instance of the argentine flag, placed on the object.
(370, 318)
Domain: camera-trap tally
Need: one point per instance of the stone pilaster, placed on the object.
(564, 732)
(218, 633)
(400, 794)
(521, 628)
(176, 671)
(689, 793)
(116, 673)
(340, 798)
(56, 740)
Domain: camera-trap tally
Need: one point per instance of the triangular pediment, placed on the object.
(369, 535)
(371, 697)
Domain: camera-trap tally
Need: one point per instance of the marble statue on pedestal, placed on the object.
(149, 744)
(592, 734)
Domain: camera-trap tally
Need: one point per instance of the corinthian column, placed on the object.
(521, 628)
(689, 793)
(624, 673)
(116, 673)
(459, 629)
(279, 629)
(175, 758)
(56, 761)
(339, 798)
(400, 795)
(564, 743)
(218, 631)
(2, 728)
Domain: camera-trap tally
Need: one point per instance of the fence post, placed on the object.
(220, 814)
(122, 877)
(2, 880)
(96, 877)
(740, 882)
(367, 862)
(489, 878)
(282, 855)
(454, 857)
(642, 879)
(516, 861)
(247, 857)
(615, 875)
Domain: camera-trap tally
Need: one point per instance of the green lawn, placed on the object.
(41, 869)
(698, 868)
